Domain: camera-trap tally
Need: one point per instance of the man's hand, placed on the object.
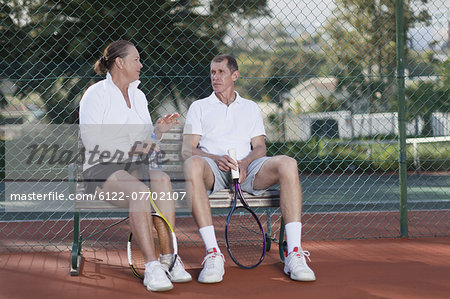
(243, 165)
(225, 163)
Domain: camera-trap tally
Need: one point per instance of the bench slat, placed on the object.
(171, 147)
(172, 168)
(172, 136)
(172, 158)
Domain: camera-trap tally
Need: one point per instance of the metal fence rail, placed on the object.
(356, 91)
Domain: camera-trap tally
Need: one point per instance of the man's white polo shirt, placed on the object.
(223, 127)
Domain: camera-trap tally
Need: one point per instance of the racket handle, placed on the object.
(232, 154)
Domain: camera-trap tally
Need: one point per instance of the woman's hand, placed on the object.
(165, 123)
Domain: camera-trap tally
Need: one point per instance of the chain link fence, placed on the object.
(370, 130)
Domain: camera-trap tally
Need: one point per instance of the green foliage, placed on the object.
(361, 52)
(425, 97)
(336, 156)
(60, 41)
(269, 74)
(327, 104)
(422, 64)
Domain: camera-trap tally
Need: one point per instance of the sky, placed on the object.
(312, 13)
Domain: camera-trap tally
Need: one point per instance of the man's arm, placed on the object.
(190, 147)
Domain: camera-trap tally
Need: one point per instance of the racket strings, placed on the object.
(163, 245)
(162, 236)
(137, 258)
(245, 238)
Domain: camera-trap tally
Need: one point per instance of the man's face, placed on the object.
(222, 78)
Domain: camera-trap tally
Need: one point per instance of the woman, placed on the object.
(115, 129)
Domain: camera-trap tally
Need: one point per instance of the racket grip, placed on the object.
(232, 154)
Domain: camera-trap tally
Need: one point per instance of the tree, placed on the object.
(177, 40)
(425, 97)
(362, 42)
(12, 34)
(285, 66)
(327, 104)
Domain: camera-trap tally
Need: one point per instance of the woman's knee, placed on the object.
(159, 176)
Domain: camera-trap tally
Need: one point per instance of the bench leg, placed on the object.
(282, 245)
(76, 246)
(269, 230)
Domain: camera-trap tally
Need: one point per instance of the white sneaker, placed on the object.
(213, 269)
(155, 278)
(295, 266)
(178, 273)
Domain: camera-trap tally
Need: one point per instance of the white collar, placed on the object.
(133, 85)
(214, 99)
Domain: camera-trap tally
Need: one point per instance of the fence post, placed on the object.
(400, 38)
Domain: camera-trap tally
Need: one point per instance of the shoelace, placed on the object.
(302, 253)
(178, 261)
(211, 256)
(161, 267)
(166, 271)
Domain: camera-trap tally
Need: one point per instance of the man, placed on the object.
(213, 125)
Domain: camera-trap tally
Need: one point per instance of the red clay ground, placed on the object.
(385, 268)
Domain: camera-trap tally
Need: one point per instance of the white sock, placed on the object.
(147, 265)
(293, 235)
(165, 259)
(209, 237)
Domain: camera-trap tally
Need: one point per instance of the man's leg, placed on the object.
(199, 178)
(283, 170)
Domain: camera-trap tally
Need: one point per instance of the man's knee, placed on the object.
(194, 166)
(287, 165)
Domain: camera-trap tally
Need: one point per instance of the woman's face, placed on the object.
(131, 64)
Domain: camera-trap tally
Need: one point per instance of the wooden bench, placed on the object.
(173, 166)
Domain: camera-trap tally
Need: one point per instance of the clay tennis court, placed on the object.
(374, 267)
(377, 268)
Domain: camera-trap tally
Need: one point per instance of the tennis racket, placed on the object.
(165, 241)
(244, 234)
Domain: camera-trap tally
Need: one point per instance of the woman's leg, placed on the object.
(139, 209)
(161, 188)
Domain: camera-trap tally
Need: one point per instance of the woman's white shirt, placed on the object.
(108, 128)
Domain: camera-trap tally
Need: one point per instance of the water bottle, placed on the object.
(155, 157)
